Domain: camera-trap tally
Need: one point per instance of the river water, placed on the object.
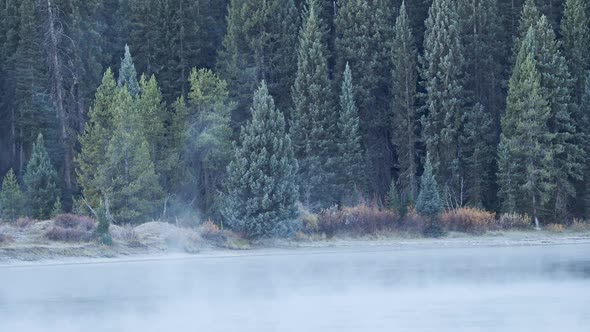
(541, 288)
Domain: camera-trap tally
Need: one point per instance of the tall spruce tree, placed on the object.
(575, 28)
(95, 139)
(405, 120)
(12, 200)
(526, 154)
(261, 190)
(363, 39)
(128, 179)
(128, 74)
(313, 122)
(556, 84)
(351, 165)
(584, 121)
(443, 72)
(41, 182)
(260, 44)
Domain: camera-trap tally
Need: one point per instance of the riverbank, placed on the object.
(157, 240)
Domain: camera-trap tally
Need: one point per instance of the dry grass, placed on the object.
(5, 237)
(358, 220)
(24, 222)
(210, 231)
(579, 225)
(71, 228)
(515, 221)
(468, 220)
(555, 228)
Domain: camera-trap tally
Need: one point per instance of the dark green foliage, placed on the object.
(128, 74)
(260, 44)
(351, 167)
(394, 200)
(127, 178)
(12, 200)
(429, 203)
(443, 72)
(575, 28)
(57, 208)
(363, 39)
(314, 119)
(261, 192)
(405, 120)
(526, 155)
(41, 182)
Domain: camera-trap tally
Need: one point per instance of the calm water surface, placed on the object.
(364, 289)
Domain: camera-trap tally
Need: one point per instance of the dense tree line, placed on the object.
(240, 109)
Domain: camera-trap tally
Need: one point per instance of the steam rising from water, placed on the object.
(486, 289)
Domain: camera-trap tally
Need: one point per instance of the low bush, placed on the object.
(4, 236)
(359, 220)
(309, 220)
(579, 225)
(555, 228)
(515, 221)
(468, 220)
(71, 228)
(210, 231)
(129, 236)
(24, 222)
(413, 222)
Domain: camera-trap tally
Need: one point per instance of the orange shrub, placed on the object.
(468, 220)
(555, 228)
(209, 230)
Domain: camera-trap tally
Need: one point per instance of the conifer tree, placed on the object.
(443, 72)
(261, 191)
(526, 165)
(313, 122)
(584, 136)
(405, 120)
(429, 203)
(576, 42)
(40, 180)
(154, 117)
(394, 200)
(128, 179)
(95, 139)
(363, 39)
(128, 74)
(260, 44)
(556, 85)
(209, 148)
(12, 200)
(57, 208)
(351, 163)
(529, 17)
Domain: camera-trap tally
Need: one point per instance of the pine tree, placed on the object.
(529, 17)
(57, 208)
(128, 74)
(405, 120)
(128, 179)
(12, 200)
(41, 182)
(394, 201)
(351, 163)
(576, 42)
(209, 148)
(584, 126)
(429, 203)
(526, 165)
(95, 139)
(260, 44)
(443, 72)
(313, 121)
(261, 190)
(363, 39)
(154, 117)
(556, 85)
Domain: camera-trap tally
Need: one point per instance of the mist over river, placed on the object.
(528, 288)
